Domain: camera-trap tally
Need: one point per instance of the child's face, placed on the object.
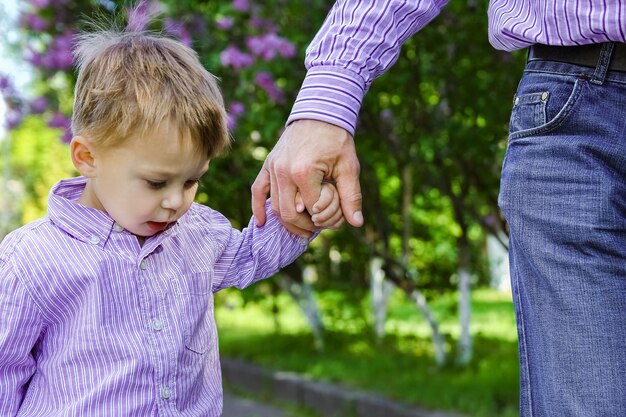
(146, 183)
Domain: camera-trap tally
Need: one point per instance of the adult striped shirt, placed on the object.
(361, 39)
(93, 324)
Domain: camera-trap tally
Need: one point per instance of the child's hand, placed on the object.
(327, 212)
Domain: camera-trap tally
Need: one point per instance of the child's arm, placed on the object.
(326, 212)
(253, 253)
(20, 326)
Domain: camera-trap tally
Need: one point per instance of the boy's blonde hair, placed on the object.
(129, 82)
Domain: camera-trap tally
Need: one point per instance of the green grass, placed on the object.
(401, 366)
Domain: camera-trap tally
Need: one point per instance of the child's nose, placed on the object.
(173, 200)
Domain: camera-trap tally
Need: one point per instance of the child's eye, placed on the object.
(156, 184)
(191, 183)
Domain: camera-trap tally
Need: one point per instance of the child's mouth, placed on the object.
(157, 226)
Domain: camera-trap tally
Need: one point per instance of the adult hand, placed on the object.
(308, 153)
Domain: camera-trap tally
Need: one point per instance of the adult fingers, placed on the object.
(259, 190)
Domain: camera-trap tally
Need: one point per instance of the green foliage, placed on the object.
(39, 160)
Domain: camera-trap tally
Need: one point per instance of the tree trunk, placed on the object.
(465, 308)
(304, 297)
(381, 290)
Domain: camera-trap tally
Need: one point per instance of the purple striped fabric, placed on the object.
(361, 39)
(92, 324)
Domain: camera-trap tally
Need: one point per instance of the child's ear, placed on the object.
(83, 158)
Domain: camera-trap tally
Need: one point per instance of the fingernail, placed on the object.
(358, 217)
(299, 208)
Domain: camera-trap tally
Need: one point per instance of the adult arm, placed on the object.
(358, 41)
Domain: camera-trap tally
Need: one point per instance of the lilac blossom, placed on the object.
(267, 83)
(224, 23)
(38, 105)
(259, 23)
(39, 4)
(60, 121)
(236, 108)
(178, 30)
(233, 57)
(241, 5)
(34, 22)
(267, 46)
(198, 25)
(13, 118)
(231, 122)
(6, 86)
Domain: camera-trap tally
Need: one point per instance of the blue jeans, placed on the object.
(563, 193)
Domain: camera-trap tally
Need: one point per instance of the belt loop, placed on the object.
(603, 63)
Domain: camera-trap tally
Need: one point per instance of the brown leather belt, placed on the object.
(584, 55)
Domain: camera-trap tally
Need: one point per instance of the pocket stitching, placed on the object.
(559, 119)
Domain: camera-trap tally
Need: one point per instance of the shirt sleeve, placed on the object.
(359, 41)
(256, 253)
(20, 327)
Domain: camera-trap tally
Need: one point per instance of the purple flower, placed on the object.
(13, 119)
(39, 4)
(386, 115)
(241, 5)
(38, 105)
(177, 29)
(198, 25)
(267, 83)
(236, 108)
(267, 46)
(259, 23)
(231, 122)
(6, 86)
(233, 57)
(66, 137)
(59, 120)
(224, 23)
(34, 22)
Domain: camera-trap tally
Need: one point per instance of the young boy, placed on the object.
(106, 305)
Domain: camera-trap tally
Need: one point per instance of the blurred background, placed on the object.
(416, 304)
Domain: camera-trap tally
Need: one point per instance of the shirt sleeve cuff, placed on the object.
(330, 94)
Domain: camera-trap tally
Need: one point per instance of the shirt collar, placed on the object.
(87, 224)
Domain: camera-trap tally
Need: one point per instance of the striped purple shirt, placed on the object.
(92, 324)
(361, 39)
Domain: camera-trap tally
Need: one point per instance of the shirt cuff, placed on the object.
(330, 94)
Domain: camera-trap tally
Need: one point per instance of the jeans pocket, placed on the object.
(542, 103)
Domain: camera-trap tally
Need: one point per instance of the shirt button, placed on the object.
(544, 96)
(117, 227)
(303, 241)
(94, 240)
(166, 392)
(143, 264)
(157, 325)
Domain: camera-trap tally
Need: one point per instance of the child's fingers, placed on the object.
(328, 194)
(328, 206)
(333, 222)
(299, 203)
